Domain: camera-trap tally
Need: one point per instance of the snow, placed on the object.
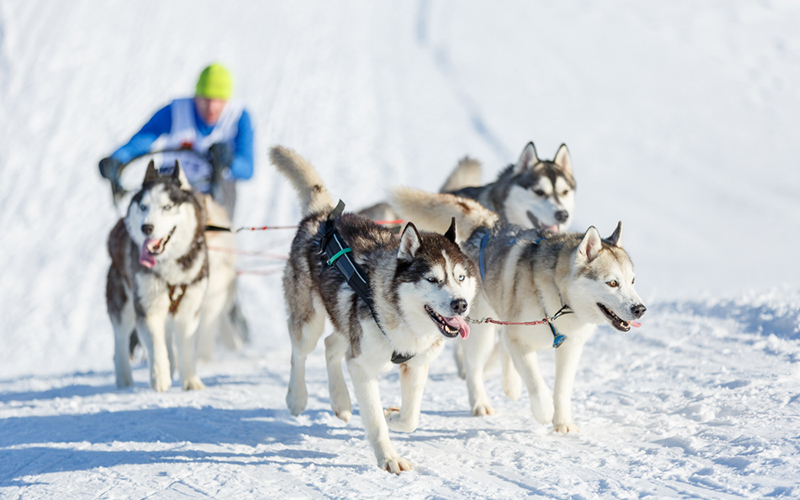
(682, 121)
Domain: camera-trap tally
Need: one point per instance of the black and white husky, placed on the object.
(421, 286)
(158, 278)
(528, 276)
(532, 193)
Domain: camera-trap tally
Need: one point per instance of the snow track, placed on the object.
(682, 120)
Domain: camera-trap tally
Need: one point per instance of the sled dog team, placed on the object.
(498, 250)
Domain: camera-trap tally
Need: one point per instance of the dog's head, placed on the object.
(602, 285)
(435, 281)
(162, 216)
(541, 193)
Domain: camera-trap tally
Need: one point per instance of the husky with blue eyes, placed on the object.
(527, 275)
(158, 278)
(420, 288)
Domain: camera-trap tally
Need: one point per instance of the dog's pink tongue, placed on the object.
(145, 257)
(458, 322)
(635, 324)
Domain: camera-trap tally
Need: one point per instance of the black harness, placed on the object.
(336, 252)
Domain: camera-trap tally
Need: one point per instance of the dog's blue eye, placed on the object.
(167, 207)
(612, 283)
(462, 278)
(142, 207)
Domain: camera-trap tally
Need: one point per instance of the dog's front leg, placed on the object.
(477, 349)
(151, 330)
(335, 348)
(526, 361)
(186, 322)
(412, 385)
(567, 357)
(365, 383)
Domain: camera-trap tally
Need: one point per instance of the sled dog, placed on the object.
(528, 276)
(531, 193)
(420, 285)
(158, 278)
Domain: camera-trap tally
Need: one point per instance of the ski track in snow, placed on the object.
(701, 402)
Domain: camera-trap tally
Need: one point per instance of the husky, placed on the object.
(158, 278)
(420, 285)
(527, 275)
(532, 193)
(467, 173)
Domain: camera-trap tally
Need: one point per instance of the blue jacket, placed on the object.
(161, 123)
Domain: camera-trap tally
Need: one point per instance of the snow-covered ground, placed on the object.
(683, 121)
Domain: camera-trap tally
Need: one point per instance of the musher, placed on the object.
(211, 124)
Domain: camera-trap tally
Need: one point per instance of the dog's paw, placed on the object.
(542, 407)
(483, 410)
(396, 465)
(193, 384)
(161, 384)
(512, 387)
(124, 382)
(565, 428)
(344, 415)
(395, 423)
(296, 401)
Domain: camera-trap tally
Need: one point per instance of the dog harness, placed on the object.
(558, 338)
(337, 253)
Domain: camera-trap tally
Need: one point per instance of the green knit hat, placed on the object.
(215, 82)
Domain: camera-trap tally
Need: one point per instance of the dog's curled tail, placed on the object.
(314, 196)
(466, 174)
(432, 211)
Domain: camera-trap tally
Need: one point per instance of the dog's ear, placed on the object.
(527, 159)
(410, 242)
(616, 237)
(563, 159)
(590, 245)
(451, 231)
(180, 176)
(151, 175)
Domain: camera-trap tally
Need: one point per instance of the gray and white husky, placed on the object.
(531, 193)
(528, 277)
(421, 287)
(158, 278)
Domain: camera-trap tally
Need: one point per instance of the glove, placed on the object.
(220, 155)
(109, 169)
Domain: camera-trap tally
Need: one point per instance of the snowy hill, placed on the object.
(682, 121)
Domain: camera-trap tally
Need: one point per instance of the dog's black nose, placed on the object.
(562, 216)
(459, 306)
(638, 310)
(147, 229)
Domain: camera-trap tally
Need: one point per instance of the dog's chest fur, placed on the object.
(374, 249)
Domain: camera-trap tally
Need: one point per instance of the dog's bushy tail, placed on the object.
(314, 196)
(466, 174)
(432, 211)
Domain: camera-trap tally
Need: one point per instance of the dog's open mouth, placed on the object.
(615, 320)
(537, 224)
(151, 248)
(450, 327)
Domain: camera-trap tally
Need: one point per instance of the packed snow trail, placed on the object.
(682, 120)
